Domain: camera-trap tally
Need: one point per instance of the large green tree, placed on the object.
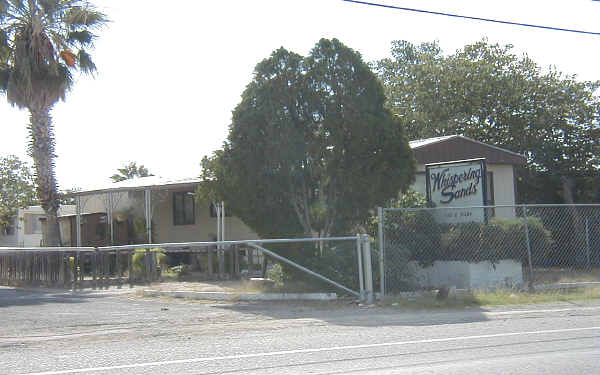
(17, 188)
(487, 92)
(41, 43)
(130, 171)
(311, 147)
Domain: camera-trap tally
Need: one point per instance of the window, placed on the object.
(33, 224)
(101, 227)
(183, 208)
(489, 199)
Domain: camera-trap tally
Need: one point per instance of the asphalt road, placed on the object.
(100, 333)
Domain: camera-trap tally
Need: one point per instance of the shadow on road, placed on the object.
(20, 297)
(346, 314)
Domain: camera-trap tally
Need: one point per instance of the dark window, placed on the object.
(489, 199)
(101, 227)
(183, 208)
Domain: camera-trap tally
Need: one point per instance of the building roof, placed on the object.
(427, 141)
(459, 147)
(38, 210)
(139, 183)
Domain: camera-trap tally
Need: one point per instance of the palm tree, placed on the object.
(129, 172)
(42, 42)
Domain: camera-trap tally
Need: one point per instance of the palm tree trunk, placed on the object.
(42, 151)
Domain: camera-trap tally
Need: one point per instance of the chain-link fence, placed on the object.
(521, 246)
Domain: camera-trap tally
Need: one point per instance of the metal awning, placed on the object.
(140, 184)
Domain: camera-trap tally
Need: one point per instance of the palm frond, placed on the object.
(86, 65)
(4, 47)
(3, 8)
(39, 46)
(83, 37)
(19, 5)
(78, 16)
(50, 7)
(4, 76)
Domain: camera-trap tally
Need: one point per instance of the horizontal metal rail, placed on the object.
(223, 243)
(304, 269)
(11, 250)
(496, 206)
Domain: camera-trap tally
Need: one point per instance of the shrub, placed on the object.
(275, 273)
(139, 265)
(416, 236)
(496, 240)
(413, 235)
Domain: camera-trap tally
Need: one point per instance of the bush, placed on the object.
(275, 273)
(413, 235)
(139, 265)
(338, 262)
(496, 240)
(416, 236)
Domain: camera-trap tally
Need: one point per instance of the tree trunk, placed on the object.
(578, 239)
(42, 151)
(567, 189)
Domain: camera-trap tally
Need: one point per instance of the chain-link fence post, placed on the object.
(587, 243)
(528, 242)
(368, 269)
(148, 265)
(381, 254)
(360, 267)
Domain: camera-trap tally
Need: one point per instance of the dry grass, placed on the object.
(495, 298)
(560, 275)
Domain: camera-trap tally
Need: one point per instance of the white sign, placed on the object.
(457, 184)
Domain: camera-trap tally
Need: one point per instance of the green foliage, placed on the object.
(129, 172)
(497, 240)
(486, 92)
(311, 148)
(408, 199)
(338, 263)
(139, 256)
(417, 236)
(413, 235)
(70, 199)
(276, 274)
(17, 188)
(33, 39)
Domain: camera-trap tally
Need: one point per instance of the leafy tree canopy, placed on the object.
(311, 147)
(130, 171)
(486, 92)
(17, 187)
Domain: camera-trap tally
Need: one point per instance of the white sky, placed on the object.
(169, 76)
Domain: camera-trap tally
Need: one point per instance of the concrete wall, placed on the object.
(463, 275)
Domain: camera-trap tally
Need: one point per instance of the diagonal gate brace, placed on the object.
(304, 269)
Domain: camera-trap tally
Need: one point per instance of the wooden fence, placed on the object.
(89, 267)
